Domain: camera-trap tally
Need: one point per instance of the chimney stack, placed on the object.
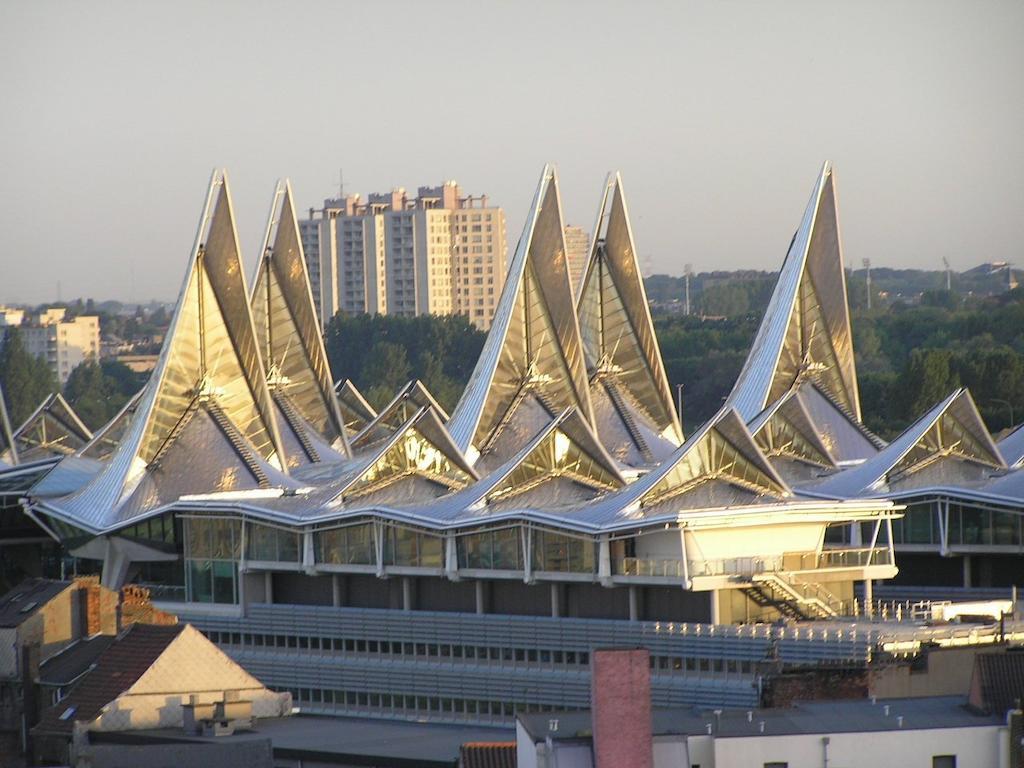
(620, 702)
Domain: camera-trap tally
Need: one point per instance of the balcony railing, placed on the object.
(844, 558)
(737, 566)
(650, 567)
(828, 559)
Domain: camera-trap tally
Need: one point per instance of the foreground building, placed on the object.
(409, 563)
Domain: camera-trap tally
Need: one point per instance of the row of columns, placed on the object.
(482, 594)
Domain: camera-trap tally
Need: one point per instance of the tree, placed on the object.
(26, 380)
(386, 371)
(928, 378)
(380, 353)
(97, 391)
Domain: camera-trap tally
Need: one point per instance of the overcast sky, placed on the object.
(718, 114)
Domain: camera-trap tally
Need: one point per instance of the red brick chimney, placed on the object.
(620, 703)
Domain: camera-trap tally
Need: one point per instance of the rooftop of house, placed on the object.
(115, 671)
(74, 661)
(811, 717)
(352, 740)
(29, 596)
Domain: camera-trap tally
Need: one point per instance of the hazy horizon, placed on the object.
(719, 116)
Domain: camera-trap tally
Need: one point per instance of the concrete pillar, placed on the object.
(243, 598)
(556, 599)
(268, 586)
(967, 571)
(407, 594)
(634, 602)
(716, 611)
(482, 596)
(336, 597)
(115, 566)
(604, 561)
(869, 598)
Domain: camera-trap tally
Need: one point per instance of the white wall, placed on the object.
(723, 543)
(661, 545)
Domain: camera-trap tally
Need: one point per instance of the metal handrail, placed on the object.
(654, 567)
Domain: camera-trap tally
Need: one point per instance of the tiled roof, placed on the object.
(28, 597)
(116, 670)
(488, 754)
(998, 682)
(74, 661)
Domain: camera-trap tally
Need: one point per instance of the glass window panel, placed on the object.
(224, 582)
(976, 527)
(1005, 528)
(200, 581)
(917, 526)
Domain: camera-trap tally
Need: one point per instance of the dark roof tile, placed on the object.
(117, 669)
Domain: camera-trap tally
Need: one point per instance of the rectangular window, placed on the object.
(560, 553)
(341, 546)
(403, 546)
(265, 542)
(944, 761)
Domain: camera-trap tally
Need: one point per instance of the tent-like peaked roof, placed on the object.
(210, 363)
(806, 328)
(420, 449)
(533, 350)
(723, 450)
(952, 429)
(786, 429)
(615, 320)
(356, 412)
(53, 429)
(8, 450)
(106, 440)
(1012, 447)
(289, 333)
(566, 448)
(409, 400)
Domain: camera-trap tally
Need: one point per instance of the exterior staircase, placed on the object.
(794, 601)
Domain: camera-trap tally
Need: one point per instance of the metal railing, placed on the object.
(845, 558)
(737, 566)
(171, 593)
(792, 561)
(671, 568)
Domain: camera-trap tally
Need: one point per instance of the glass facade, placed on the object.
(264, 542)
(493, 550)
(406, 547)
(558, 553)
(212, 549)
(968, 526)
(352, 545)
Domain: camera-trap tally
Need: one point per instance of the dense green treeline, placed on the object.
(908, 358)
(380, 353)
(97, 391)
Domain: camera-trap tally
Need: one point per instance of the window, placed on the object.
(351, 545)
(944, 761)
(776, 764)
(557, 552)
(272, 544)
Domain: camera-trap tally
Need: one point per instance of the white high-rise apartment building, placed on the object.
(62, 343)
(438, 253)
(577, 251)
